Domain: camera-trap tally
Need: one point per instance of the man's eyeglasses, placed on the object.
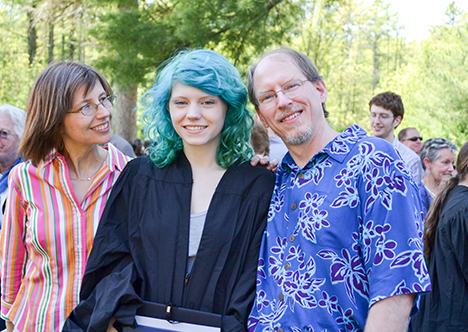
(381, 116)
(91, 109)
(291, 89)
(414, 139)
(4, 134)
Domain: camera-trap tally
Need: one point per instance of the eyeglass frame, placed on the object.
(4, 134)
(282, 90)
(414, 139)
(380, 116)
(110, 98)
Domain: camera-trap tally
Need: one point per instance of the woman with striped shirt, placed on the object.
(57, 197)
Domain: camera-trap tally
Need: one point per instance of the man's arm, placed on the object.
(390, 314)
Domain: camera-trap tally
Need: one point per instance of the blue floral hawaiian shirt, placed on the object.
(343, 233)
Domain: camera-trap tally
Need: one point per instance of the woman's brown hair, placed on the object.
(50, 100)
(432, 219)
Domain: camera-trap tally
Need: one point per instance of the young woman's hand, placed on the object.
(110, 327)
(265, 161)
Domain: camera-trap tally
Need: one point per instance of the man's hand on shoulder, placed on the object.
(265, 161)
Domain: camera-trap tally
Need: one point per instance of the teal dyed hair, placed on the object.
(212, 73)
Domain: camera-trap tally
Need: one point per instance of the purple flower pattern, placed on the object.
(318, 260)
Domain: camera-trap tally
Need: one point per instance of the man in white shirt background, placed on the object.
(386, 113)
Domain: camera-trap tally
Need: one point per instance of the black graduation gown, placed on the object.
(141, 246)
(445, 308)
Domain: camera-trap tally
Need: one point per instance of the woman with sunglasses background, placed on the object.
(438, 158)
(57, 196)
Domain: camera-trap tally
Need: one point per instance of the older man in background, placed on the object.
(411, 138)
(12, 121)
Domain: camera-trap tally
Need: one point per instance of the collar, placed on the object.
(115, 158)
(337, 149)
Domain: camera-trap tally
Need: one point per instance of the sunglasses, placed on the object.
(414, 139)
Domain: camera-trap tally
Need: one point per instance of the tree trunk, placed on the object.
(32, 38)
(375, 74)
(125, 112)
(51, 42)
(72, 45)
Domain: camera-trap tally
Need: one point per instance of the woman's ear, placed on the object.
(427, 163)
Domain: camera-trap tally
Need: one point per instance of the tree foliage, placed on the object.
(357, 48)
(434, 83)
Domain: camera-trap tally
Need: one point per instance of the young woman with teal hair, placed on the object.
(212, 73)
(183, 225)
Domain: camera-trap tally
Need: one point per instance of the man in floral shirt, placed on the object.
(343, 246)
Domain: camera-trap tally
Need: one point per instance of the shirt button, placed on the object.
(300, 176)
(291, 238)
(294, 206)
(287, 266)
(281, 297)
(280, 330)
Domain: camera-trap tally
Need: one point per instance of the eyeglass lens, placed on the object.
(4, 134)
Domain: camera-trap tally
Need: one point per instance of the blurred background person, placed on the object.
(411, 138)
(445, 308)
(146, 145)
(438, 158)
(277, 147)
(259, 139)
(11, 129)
(138, 147)
(123, 145)
(56, 197)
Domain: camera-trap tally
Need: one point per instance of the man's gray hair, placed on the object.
(17, 116)
(431, 149)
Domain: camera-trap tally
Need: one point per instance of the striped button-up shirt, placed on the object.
(46, 238)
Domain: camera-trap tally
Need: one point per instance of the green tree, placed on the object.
(433, 85)
(16, 75)
(135, 37)
(354, 47)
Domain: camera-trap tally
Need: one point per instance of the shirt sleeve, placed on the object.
(417, 170)
(12, 245)
(391, 244)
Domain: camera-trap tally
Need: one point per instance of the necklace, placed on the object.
(90, 177)
(430, 191)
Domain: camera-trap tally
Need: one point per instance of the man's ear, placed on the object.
(397, 121)
(322, 90)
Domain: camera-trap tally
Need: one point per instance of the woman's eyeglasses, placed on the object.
(91, 109)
